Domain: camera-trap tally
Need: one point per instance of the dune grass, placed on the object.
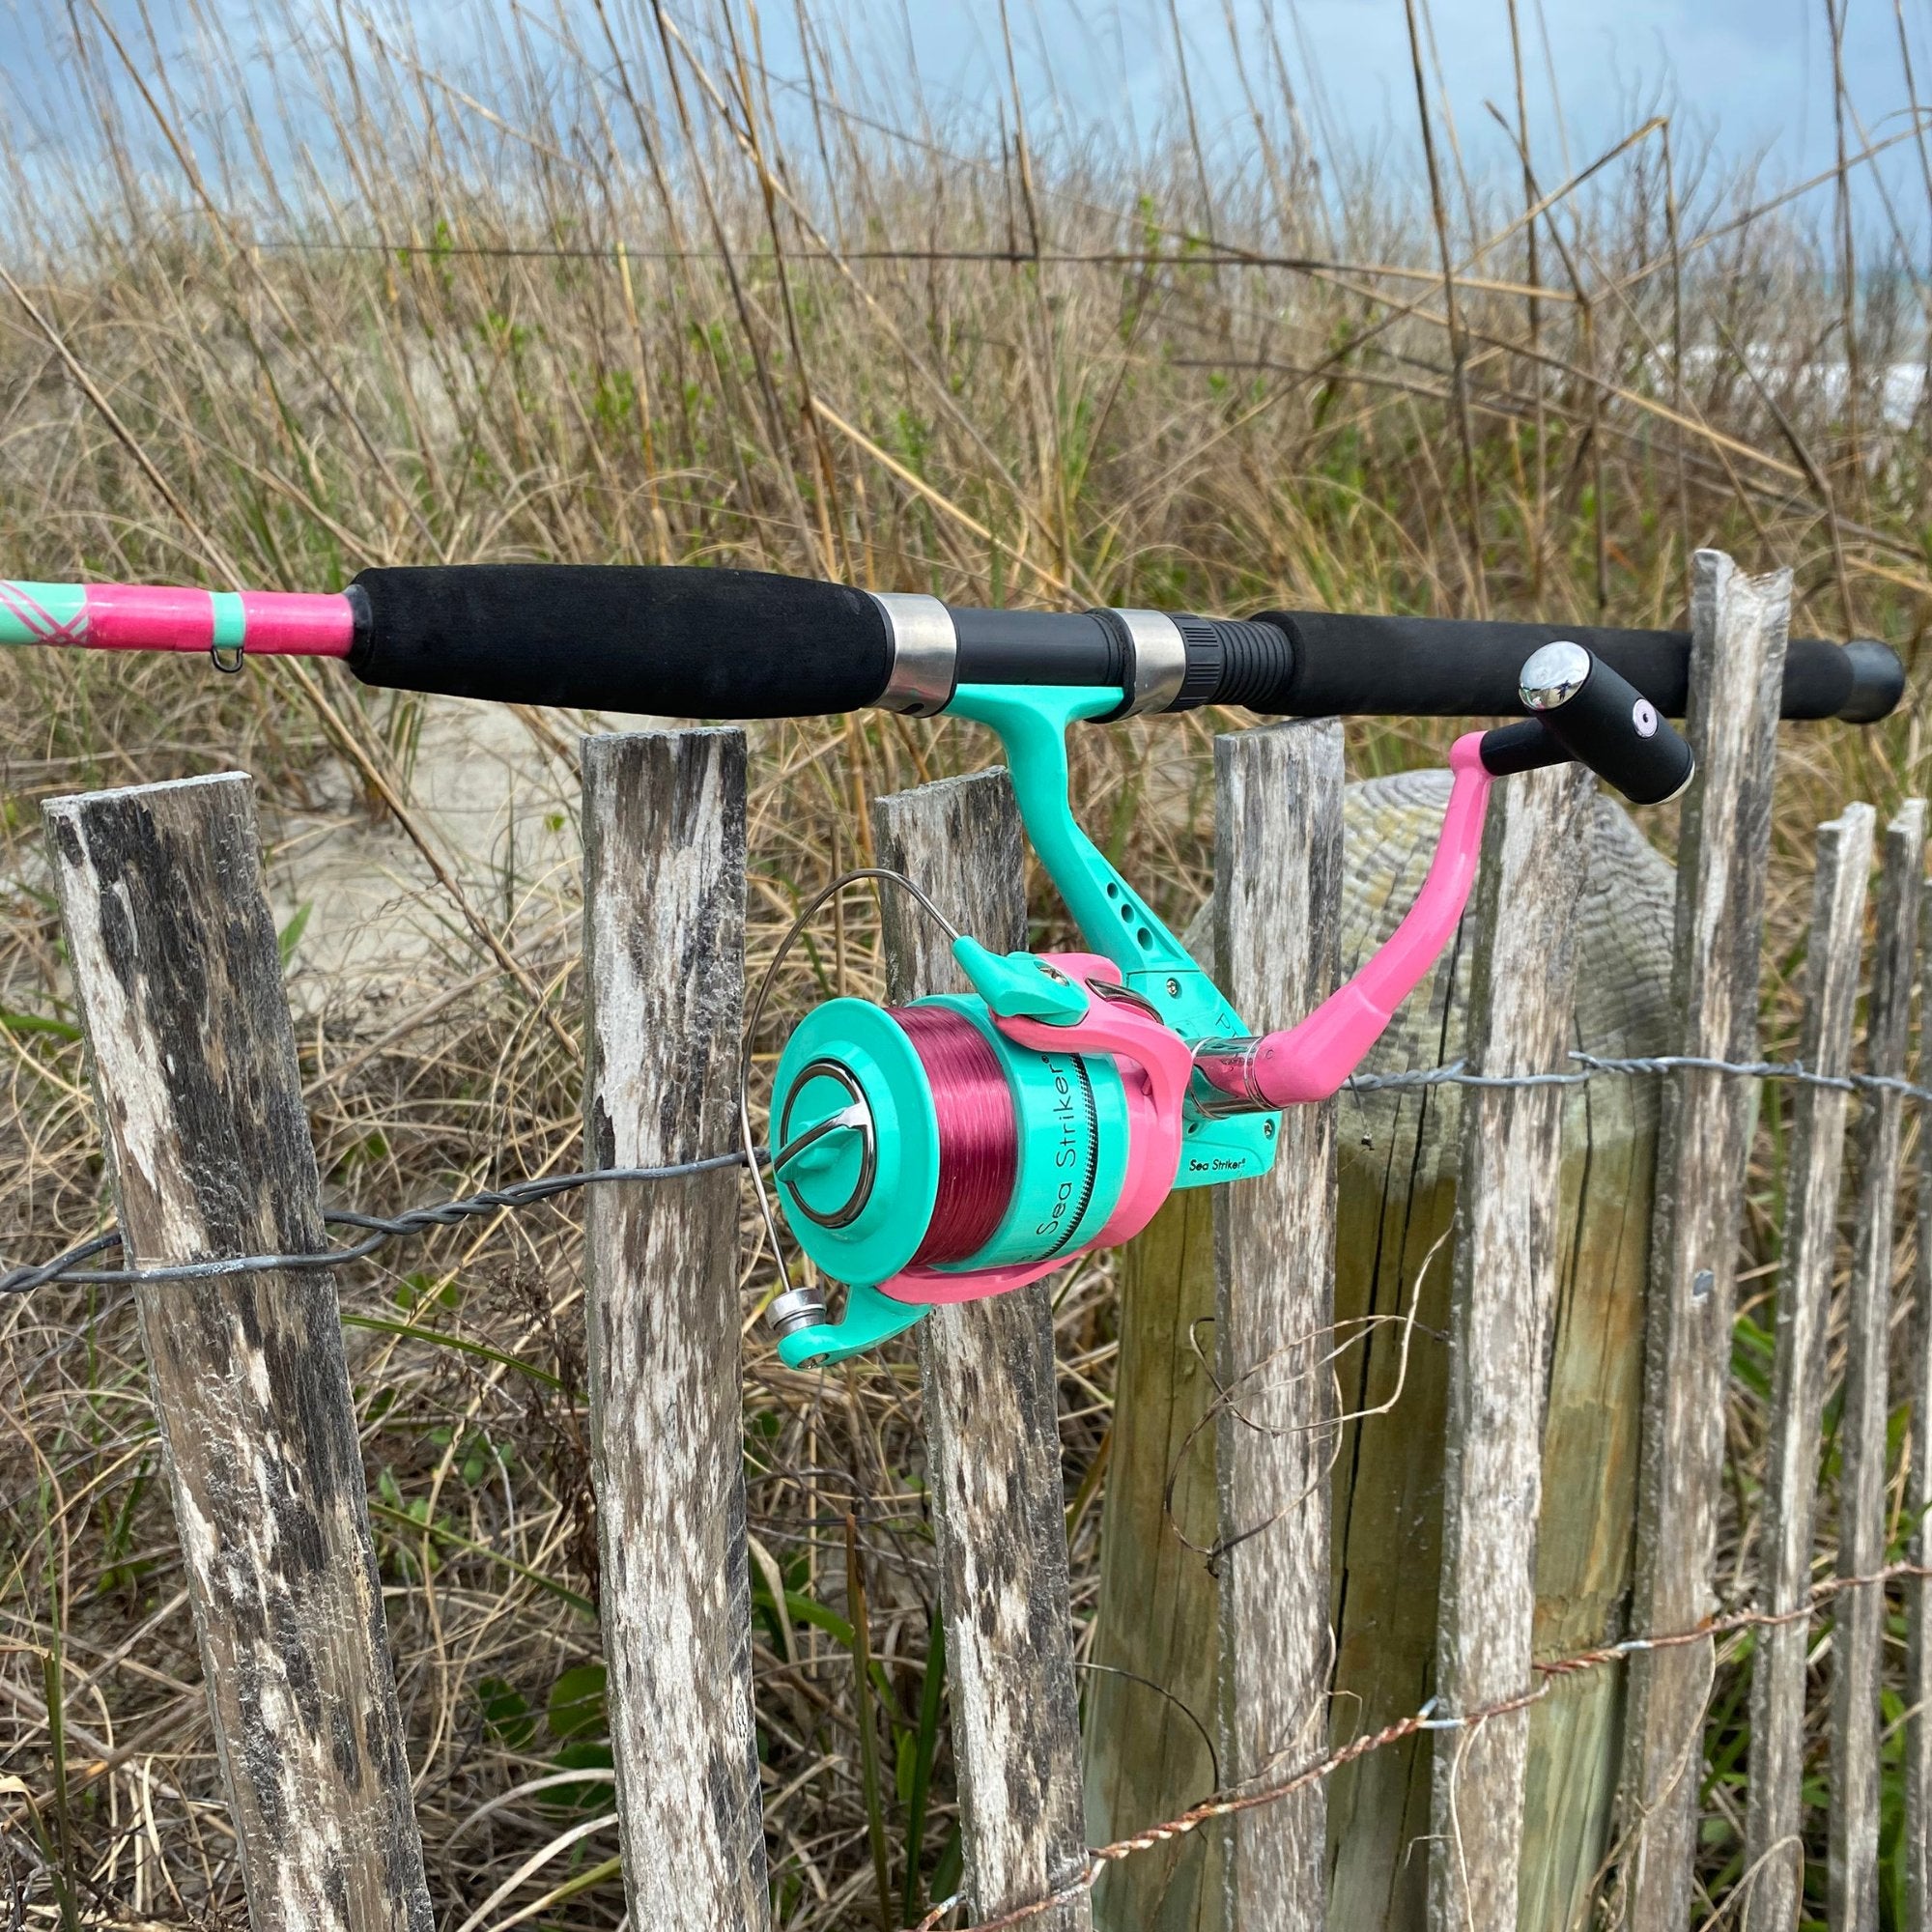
(614, 292)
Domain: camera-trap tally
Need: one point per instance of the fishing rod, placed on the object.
(962, 1145)
(680, 643)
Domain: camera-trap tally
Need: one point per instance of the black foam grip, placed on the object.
(1448, 668)
(673, 641)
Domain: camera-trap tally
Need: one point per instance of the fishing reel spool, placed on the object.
(916, 1141)
(962, 1145)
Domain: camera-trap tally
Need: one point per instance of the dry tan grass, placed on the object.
(638, 314)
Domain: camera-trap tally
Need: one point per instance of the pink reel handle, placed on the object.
(1312, 1060)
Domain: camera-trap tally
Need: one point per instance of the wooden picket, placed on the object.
(1152, 1696)
(1737, 663)
(1502, 1300)
(664, 946)
(1791, 1486)
(1277, 903)
(180, 987)
(1919, 1514)
(992, 1428)
(1859, 1623)
(1215, 1626)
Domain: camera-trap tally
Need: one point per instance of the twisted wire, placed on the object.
(379, 1231)
(65, 1267)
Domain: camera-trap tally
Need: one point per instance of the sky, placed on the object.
(1759, 70)
(1753, 77)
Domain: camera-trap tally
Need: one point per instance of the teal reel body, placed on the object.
(966, 1145)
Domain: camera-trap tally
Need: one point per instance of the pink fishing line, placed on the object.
(979, 1137)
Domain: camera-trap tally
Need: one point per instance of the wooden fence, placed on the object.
(1248, 1548)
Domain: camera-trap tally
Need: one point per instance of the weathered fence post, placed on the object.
(1858, 1616)
(1774, 1851)
(1502, 1296)
(664, 948)
(1737, 662)
(1277, 899)
(992, 1429)
(180, 987)
(1158, 1622)
(1918, 1513)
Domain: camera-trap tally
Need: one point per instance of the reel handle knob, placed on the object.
(1586, 711)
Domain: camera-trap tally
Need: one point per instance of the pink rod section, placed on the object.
(299, 623)
(154, 617)
(1311, 1061)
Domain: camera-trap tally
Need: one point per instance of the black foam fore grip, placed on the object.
(668, 641)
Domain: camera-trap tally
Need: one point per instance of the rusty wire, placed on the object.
(1427, 1719)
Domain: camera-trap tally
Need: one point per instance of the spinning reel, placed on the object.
(966, 1145)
